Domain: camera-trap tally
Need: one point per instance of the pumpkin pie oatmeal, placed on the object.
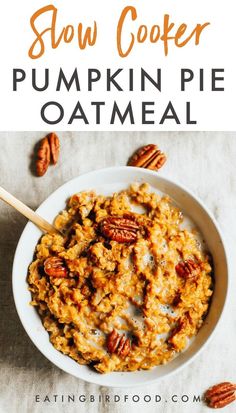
(126, 285)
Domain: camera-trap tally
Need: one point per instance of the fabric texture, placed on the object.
(205, 163)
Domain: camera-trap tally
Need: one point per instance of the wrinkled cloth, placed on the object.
(203, 162)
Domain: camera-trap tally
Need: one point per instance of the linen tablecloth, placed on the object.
(205, 163)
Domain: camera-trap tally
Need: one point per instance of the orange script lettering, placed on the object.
(85, 38)
(141, 33)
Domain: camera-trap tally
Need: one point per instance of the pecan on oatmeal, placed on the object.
(55, 267)
(188, 269)
(120, 229)
(118, 344)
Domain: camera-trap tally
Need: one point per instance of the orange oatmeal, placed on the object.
(121, 290)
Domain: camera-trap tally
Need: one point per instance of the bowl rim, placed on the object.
(206, 341)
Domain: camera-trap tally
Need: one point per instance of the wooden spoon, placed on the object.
(27, 212)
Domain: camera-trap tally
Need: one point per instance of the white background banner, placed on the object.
(164, 24)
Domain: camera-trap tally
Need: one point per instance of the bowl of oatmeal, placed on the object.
(132, 286)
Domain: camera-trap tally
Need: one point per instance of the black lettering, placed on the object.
(146, 112)
(61, 114)
(92, 78)
(172, 115)
(17, 78)
(186, 76)
(46, 81)
(131, 80)
(128, 111)
(81, 114)
(215, 78)
(62, 78)
(98, 110)
(201, 86)
(156, 83)
(110, 79)
(188, 115)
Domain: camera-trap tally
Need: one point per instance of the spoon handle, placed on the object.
(27, 212)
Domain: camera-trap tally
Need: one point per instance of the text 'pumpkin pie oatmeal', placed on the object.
(122, 290)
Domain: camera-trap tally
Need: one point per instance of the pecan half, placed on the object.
(55, 267)
(187, 269)
(149, 157)
(120, 229)
(220, 395)
(54, 147)
(43, 157)
(118, 344)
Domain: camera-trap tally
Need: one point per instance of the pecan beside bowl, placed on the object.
(149, 157)
(48, 151)
(220, 395)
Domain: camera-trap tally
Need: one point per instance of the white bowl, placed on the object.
(107, 181)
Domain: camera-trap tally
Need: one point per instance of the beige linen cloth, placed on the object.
(205, 163)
